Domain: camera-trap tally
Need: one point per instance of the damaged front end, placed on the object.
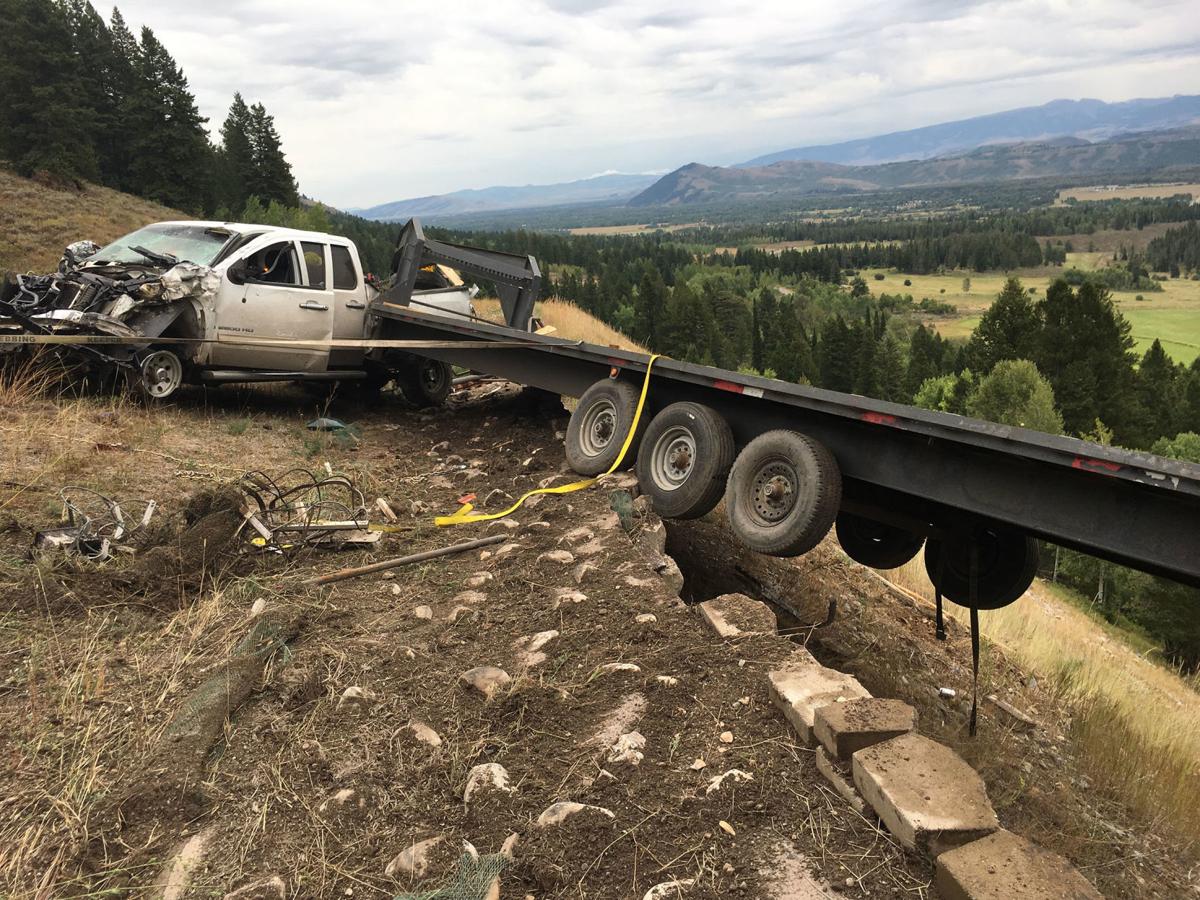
(126, 293)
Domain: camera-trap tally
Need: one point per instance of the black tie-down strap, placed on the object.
(974, 589)
(940, 625)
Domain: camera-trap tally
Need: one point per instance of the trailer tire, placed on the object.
(599, 426)
(1008, 562)
(425, 382)
(783, 495)
(875, 544)
(684, 461)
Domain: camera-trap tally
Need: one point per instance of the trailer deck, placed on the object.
(929, 472)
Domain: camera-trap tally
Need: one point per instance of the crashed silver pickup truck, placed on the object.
(223, 302)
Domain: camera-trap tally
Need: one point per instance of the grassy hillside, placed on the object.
(36, 221)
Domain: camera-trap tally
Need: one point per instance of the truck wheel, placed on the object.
(161, 374)
(783, 495)
(1007, 560)
(425, 383)
(684, 460)
(599, 426)
(876, 545)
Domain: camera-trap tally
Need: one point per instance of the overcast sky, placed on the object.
(379, 101)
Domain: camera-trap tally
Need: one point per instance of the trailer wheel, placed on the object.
(876, 545)
(1007, 560)
(425, 383)
(599, 425)
(783, 495)
(684, 461)
(161, 374)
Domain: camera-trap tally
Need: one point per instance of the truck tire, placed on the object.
(684, 460)
(1008, 562)
(425, 383)
(599, 426)
(783, 495)
(876, 545)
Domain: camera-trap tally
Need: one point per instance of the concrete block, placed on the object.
(927, 795)
(800, 690)
(840, 782)
(735, 615)
(1003, 866)
(843, 728)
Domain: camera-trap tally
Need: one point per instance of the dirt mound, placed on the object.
(172, 561)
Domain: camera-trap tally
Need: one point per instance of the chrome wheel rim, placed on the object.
(598, 428)
(673, 458)
(162, 374)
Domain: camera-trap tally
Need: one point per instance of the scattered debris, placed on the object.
(95, 524)
(302, 509)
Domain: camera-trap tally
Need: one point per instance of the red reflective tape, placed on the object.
(728, 386)
(1096, 465)
(879, 418)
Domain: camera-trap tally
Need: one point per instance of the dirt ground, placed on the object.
(188, 703)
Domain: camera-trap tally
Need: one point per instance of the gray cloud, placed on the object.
(376, 102)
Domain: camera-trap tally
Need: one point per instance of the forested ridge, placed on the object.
(86, 99)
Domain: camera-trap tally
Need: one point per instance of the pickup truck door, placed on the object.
(286, 297)
(349, 305)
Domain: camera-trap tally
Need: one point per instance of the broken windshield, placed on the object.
(158, 244)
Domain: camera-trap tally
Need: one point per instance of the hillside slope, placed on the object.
(37, 221)
(1089, 119)
(1158, 153)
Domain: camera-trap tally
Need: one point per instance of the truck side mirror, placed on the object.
(237, 272)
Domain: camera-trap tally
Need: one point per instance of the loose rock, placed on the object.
(484, 778)
(486, 679)
(558, 813)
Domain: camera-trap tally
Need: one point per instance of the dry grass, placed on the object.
(1126, 192)
(569, 321)
(36, 221)
(1136, 723)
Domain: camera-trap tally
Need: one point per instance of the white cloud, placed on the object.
(381, 101)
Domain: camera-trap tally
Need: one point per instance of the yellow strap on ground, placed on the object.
(464, 514)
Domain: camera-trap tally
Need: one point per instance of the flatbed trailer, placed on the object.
(949, 479)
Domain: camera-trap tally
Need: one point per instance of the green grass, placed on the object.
(1171, 315)
(1178, 329)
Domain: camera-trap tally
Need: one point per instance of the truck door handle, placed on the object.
(313, 304)
(350, 304)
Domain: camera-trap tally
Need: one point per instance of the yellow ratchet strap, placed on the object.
(464, 514)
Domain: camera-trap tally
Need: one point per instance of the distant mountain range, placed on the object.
(1159, 153)
(611, 189)
(1089, 119)
(1060, 138)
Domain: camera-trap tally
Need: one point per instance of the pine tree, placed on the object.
(691, 330)
(1008, 330)
(272, 174)
(1085, 351)
(926, 359)
(171, 158)
(45, 122)
(235, 158)
(837, 348)
(103, 88)
(651, 307)
(1160, 399)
